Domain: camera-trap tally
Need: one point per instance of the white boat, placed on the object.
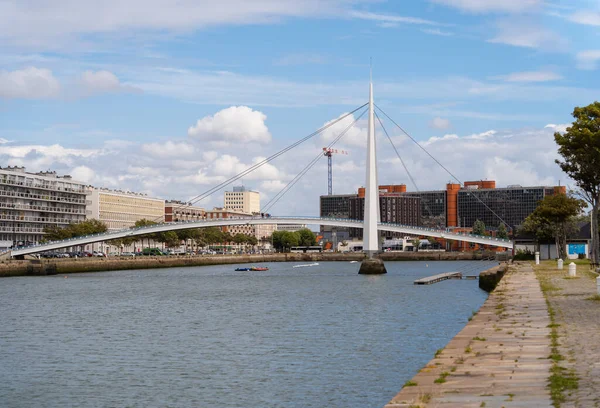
(353, 261)
(304, 265)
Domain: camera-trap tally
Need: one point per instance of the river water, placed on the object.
(319, 336)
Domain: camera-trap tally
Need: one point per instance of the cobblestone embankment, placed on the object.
(500, 359)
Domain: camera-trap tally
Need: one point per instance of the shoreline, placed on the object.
(500, 357)
(42, 267)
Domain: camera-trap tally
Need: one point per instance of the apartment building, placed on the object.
(176, 211)
(121, 209)
(242, 200)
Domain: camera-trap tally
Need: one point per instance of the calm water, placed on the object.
(211, 337)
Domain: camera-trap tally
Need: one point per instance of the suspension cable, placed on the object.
(440, 164)
(402, 161)
(292, 182)
(250, 169)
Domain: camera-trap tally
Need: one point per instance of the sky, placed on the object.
(172, 98)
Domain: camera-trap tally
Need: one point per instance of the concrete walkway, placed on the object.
(500, 359)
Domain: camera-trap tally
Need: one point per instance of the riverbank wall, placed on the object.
(500, 358)
(41, 267)
(489, 279)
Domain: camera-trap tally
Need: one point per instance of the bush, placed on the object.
(525, 255)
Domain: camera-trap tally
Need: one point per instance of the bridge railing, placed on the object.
(107, 235)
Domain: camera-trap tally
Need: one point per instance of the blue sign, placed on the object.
(575, 249)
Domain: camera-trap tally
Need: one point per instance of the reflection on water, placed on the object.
(320, 336)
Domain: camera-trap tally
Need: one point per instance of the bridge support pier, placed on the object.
(372, 266)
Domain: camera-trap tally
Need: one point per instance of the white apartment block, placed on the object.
(29, 202)
(243, 200)
(121, 209)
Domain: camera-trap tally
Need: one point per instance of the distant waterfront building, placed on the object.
(31, 201)
(335, 206)
(396, 208)
(261, 232)
(243, 200)
(512, 204)
(176, 211)
(121, 209)
(455, 207)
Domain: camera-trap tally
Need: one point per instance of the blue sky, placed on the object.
(110, 92)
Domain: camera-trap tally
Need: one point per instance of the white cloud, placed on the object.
(83, 173)
(354, 136)
(489, 6)
(588, 60)
(39, 24)
(531, 76)
(585, 17)
(28, 83)
(169, 150)
(95, 82)
(390, 18)
(562, 128)
(522, 156)
(439, 123)
(236, 124)
(524, 33)
(437, 31)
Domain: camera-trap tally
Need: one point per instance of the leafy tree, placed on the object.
(554, 217)
(87, 227)
(284, 240)
(170, 239)
(212, 235)
(306, 237)
(502, 233)
(579, 147)
(417, 243)
(478, 227)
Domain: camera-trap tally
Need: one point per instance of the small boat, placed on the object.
(252, 269)
(243, 269)
(302, 266)
(256, 268)
(353, 261)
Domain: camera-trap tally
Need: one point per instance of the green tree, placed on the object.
(284, 240)
(306, 237)
(87, 227)
(416, 243)
(170, 239)
(554, 217)
(478, 227)
(579, 147)
(502, 233)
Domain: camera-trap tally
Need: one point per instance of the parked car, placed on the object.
(128, 254)
(152, 251)
(98, 253)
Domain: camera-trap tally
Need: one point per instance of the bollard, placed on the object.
(572, 270)
(537, 258)
(560, 264)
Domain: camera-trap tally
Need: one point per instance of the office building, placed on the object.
(121, 209)
(242, 200)
(179, 211)
(335, 206)
(396, 208)
(29, 202)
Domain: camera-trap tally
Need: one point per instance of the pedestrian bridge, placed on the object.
(221, 222)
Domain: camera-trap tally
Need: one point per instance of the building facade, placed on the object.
(178, 211)
(493, 205)
(396, 208)
(335, 206)
(29, 202)
(121, 209)
(242, 200)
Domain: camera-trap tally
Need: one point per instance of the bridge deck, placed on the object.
(438, 278)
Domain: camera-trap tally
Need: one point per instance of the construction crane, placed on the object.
(329, 152)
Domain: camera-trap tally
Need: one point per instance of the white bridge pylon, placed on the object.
(333, 222)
